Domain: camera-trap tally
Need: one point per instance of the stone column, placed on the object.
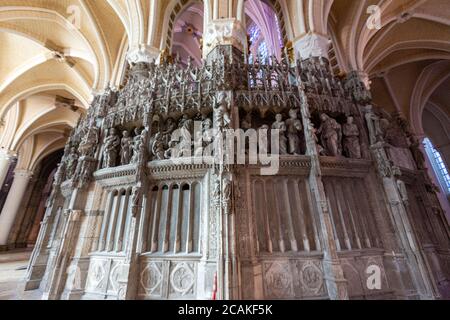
(13, 202)
(315, 47)
(5, 162)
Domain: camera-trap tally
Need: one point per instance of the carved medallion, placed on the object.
(151, 278)
(311, 278)
(278, 280)
(182, 279)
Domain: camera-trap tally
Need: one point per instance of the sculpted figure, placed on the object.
(72, 162)
(187, 129)
(417, 153)
(90, 141)
(294, 129)
(263, 140)
(208, 134)
(226, 189)
(280, 125)
(352, 147)
(331, 135)
(158, 147)
(216, 191)
(136, 145)
(59, 175)
(373, 124)
(171, 126)
(174, 150)
(186, 123)
(126, 148)
(226, 196)
(204, 137)
(135, 199)
(112, 143)
(313, 130)
(140, 147)
(222, 115)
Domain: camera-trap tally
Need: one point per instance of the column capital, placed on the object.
(142, 53)
(312, 45)
(224, 32)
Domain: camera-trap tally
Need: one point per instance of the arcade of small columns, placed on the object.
(306, 24)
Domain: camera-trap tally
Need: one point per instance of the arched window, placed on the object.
(438, 164)
(263, 28)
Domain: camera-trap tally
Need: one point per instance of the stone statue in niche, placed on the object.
(112, 142)
(294, 130)
(204, 136)
(352, 147)
(158, 149)
(72, 162)
(417, 153)
(226, 195)
(141, 157)
(313, 131)
(330, 135)
(373, 124)
(59, 175)
(216, 190)
(222, 118)
(126, 148)
(263, 139)
(221, 113)
(401, 186)
(207, 128)
(186, 127)
(136, 145)
(174, 150)
(90, 141)
(136, 196)
(171, 126)
(280, 125)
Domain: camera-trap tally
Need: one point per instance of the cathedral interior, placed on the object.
(116, 182)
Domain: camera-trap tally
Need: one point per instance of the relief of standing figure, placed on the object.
(72, 162)
(280, 125)
(352, 147)
(112, 143)
(331, 135)
(294, 130)
(126, 148)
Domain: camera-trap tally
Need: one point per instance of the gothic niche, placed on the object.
(337, 135)
(291, 139)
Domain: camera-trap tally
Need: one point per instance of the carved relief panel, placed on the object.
(166, 279)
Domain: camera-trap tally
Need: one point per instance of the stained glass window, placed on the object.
(438, 164)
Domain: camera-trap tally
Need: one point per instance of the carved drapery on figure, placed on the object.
(331, 136)
(352, 147)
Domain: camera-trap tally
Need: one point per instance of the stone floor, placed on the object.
(13, 267)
